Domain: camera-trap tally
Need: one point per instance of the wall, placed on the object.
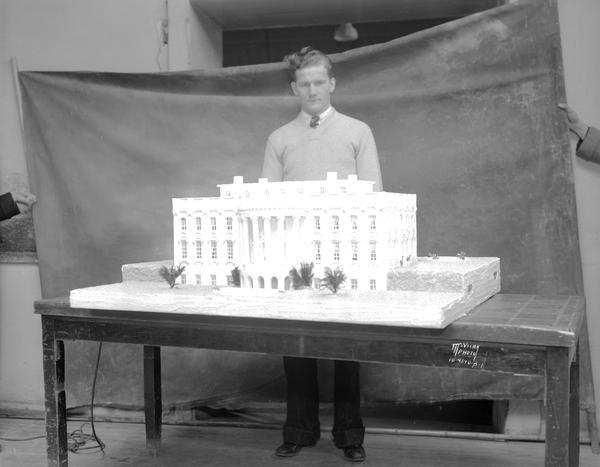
(107, 35)
(580, 33)
(202, 30)
(195, 40)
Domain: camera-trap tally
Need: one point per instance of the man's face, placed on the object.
(313, 86)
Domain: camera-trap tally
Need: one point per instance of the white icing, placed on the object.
(266, 228)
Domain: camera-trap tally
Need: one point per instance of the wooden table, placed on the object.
(524, 334)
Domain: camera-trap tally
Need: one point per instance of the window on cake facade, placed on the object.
(336, 251)
(183, 223)
(213, 245)
(372, 223)
(229, 249)
(213, 223)
(198, 279)
(229, 223)
(354, 284)
(213, 280)
(317, 223)
(198, 223)
(317, 251)
(372, 284)
(354, 222)
(373, 251)
(354, 250)
(336, 222)
(184, 249)
(183, 279)
(198, 249)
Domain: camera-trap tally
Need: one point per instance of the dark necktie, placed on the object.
(314, 121)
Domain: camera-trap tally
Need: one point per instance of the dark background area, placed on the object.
(250, 47)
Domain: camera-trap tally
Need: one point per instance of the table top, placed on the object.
(553, 321)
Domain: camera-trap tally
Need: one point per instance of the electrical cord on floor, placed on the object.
(77, 439)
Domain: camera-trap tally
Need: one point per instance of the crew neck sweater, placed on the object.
(342, 144)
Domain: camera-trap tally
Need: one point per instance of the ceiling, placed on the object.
(260, 14)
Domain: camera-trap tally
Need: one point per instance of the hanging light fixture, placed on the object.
(345, 32)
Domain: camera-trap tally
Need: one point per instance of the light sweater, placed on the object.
(341, 144)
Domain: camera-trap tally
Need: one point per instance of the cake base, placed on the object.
(455, 287)
(394, 308)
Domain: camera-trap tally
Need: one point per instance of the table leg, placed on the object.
(152, 398)
(53, 352)
(557, 407)
(574, 412)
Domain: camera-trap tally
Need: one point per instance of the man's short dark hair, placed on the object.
(305, 57)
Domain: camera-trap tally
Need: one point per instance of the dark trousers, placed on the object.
(302, 424)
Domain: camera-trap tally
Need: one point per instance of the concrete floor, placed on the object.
(232, 446)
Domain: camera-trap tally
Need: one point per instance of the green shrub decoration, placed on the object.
(171, 274)
(302, 278)
(333, 280)
(236, 280)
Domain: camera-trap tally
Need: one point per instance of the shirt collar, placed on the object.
(322, 116)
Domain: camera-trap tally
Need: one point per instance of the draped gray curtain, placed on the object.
(464, 115)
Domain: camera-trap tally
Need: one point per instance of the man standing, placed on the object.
(317, 141)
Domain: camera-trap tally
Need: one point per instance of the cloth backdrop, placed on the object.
(464, 115)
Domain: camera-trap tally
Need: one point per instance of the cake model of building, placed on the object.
(264, 229)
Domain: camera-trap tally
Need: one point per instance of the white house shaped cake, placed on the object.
(266, 228)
